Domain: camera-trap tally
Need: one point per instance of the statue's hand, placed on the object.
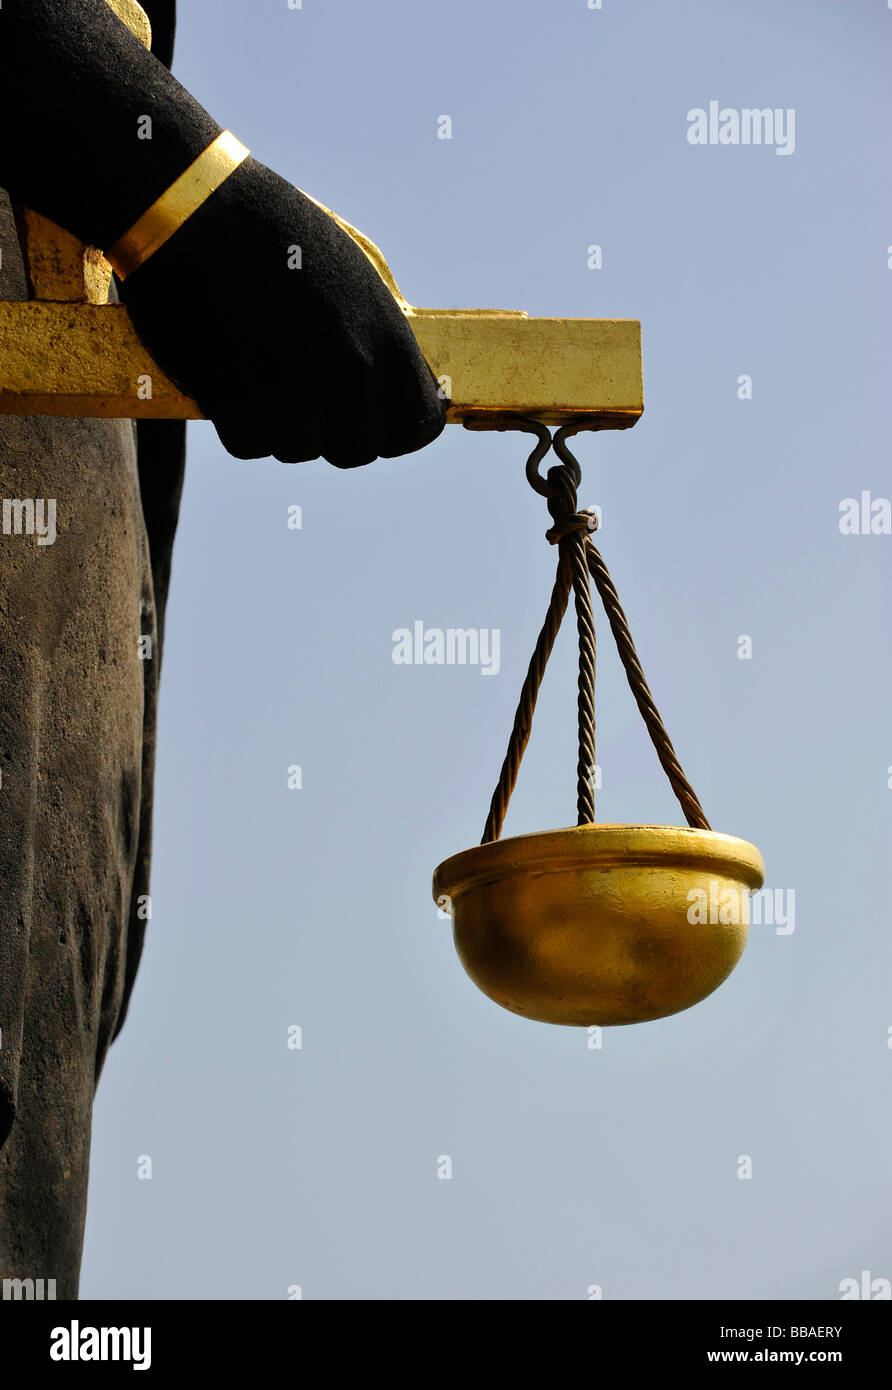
(271, 317)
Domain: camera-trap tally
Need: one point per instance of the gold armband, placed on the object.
(185, 196)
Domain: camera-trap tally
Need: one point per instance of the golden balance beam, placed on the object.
(85, 360)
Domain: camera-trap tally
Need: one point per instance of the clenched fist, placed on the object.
(271, 317)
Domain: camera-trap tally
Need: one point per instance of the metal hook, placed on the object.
(529, 426)
(563, 453)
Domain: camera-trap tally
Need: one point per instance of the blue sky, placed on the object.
(572, 1167)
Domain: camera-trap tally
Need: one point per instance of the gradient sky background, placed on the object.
(572, 1167)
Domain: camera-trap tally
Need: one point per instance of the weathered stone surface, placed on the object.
(77, 721)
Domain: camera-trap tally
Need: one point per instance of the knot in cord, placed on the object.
(585, 520)
(562, 483)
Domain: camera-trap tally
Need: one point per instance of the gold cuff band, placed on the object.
(185, 195)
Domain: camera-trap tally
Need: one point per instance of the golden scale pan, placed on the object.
(585, 925)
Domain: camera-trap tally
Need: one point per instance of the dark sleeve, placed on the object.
(161, 444)
(75, 88)
(162, 17)
(161, 459)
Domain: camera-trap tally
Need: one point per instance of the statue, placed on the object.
(270, 354)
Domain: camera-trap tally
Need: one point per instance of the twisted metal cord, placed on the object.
(577, 559)
(619, 626)
(559, 488)
(687, 797)
(569, 533)
(523, 719)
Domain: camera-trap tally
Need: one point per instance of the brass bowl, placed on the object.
(599, 923)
